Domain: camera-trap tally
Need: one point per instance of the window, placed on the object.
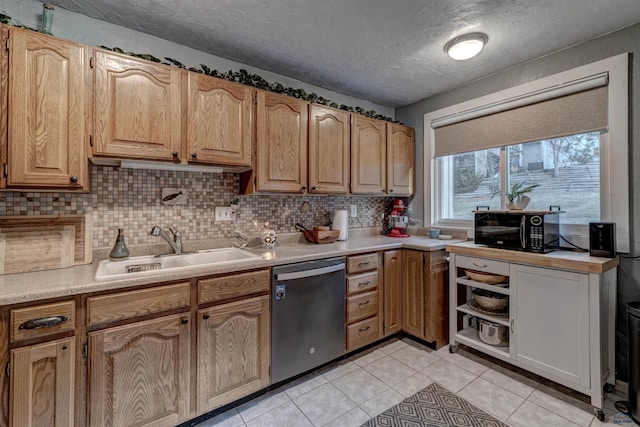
(584, 172)
(566, 171)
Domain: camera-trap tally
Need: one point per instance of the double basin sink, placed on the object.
(154, 264)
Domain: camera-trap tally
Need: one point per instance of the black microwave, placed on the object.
(530, 231)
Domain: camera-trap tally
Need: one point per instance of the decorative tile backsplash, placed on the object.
(132, 199)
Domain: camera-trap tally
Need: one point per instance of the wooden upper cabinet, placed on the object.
(400, 160)
(137, 108)
(329, 159)
(368, 155)
(219, 121)
(281, 143)
(47, 109)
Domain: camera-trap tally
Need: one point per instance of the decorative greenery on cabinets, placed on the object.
(249, 79)
(242, 77)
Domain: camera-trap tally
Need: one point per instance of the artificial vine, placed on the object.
(241, 76)
(249, 79)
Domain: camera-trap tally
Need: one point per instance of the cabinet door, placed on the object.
(368, 155)
(139, 373)
(233, 351)
(137, 107)
(328, 150)
(412, 293)
(552, 321)
(219, 121)
(392, 292)
(42, 384)
(47, 111)
(400, 160)
(436, 285)
(281, 143)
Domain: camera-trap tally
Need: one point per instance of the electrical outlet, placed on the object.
(354, 211)
(224, 213)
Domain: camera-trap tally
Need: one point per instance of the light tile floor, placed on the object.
(349, 392)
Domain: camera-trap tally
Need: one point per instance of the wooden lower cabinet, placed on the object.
(139, 374)
(233, 351)
(42, 384)
(425, 295)
(412, 293)
(392, 292)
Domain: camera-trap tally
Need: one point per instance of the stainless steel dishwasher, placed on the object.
(307, 316)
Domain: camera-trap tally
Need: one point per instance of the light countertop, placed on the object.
(40, 285)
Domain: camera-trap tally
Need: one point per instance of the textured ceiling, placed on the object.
(386, 51)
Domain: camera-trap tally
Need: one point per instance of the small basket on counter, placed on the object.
(319, 235)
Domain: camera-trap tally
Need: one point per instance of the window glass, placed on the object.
(566, 171)
(474, 179)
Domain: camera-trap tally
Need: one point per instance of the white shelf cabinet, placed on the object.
(561, 322)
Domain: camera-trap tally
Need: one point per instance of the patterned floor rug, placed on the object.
(434, 406)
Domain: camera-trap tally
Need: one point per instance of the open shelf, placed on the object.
(469, 337)
(495, 319)
(464, 280)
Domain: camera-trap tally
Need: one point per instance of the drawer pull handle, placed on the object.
(513, 325)
(363, 284)
(42, 322)
(362, 264)
(480, 265)
(366, 328)
(365, 303)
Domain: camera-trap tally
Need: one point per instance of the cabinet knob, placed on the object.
(383, 191)
(205, 316)
(391, 191)
(194, 156)
(175, 154)
(184, 321)
(313, 188)
(304, 187)
(73, 179)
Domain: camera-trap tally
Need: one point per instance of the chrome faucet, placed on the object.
(175, 242)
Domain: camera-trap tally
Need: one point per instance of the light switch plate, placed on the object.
(354, 211)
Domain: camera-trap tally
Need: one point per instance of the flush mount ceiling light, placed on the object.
(465, 46)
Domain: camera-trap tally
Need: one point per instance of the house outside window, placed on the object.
(566, 170)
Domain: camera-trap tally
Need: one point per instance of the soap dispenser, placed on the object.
(119, 251)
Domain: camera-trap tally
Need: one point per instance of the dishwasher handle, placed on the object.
(309, 273)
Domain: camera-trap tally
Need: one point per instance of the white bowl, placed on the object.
(445, 237)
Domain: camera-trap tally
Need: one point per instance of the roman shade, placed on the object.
(567, 109)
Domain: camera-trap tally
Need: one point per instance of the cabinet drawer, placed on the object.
(481, 264)
(362, 282)
(359, 263)
(236, 285)
(42, 320)
(126, 305)
(362, 333)
(362, 306)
